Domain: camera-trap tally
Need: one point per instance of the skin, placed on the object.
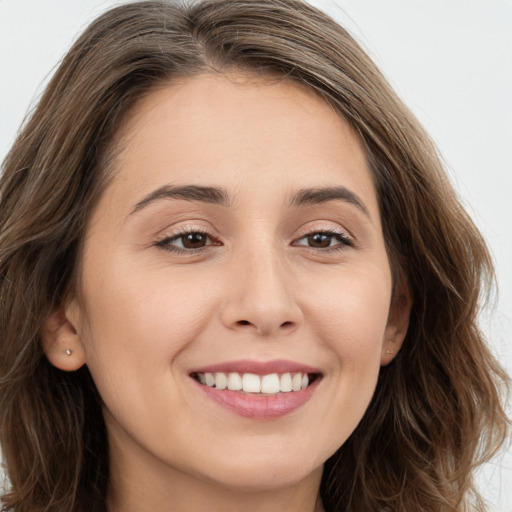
(259, 289)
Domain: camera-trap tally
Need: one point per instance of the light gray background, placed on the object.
(450, 60)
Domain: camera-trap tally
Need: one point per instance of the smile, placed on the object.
(269, 384)
(258, 390)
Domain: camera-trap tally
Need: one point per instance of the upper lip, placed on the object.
(257, 367)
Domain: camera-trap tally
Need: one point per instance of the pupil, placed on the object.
(319, 240)
(194, 240)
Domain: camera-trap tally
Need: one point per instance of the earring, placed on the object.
(68, 351)
(388, 352)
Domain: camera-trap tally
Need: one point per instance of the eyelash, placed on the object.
(182, 233)
(344, 241)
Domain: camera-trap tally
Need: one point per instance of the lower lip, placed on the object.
(257, 406)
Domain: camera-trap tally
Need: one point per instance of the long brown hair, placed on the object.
(437, 410)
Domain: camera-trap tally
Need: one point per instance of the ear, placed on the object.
(398, 321)
(61, 342)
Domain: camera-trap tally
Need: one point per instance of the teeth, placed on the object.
(285, 383)
(221, 381)
(297, 382)
(234, 382)
(251, 383)
(270, 384)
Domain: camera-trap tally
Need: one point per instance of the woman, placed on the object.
(235, 275)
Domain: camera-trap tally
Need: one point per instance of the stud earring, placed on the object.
(388, 352)
(68, 351)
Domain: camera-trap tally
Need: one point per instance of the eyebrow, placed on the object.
(220, 196)
(311, 196)
(211, 195)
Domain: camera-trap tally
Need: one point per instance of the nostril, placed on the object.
(266, 326)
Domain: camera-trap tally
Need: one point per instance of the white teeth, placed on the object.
(251, 383)
(285, 383)
(297, 382)
(221, 381)
(270, 384)
(234, 382)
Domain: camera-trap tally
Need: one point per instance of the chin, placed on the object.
(246, 473)
(262, 479)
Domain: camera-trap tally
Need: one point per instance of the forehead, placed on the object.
(238, 129)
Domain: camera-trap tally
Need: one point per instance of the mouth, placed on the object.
(258, 390)
(271, 384)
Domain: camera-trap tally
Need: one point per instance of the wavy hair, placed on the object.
(437, 411)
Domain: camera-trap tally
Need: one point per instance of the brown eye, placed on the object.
(320, 240)
(191, 241)
(325, 240)
(194, 240)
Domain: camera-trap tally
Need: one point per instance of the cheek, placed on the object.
(136, 327)
(352, 310)
(349, 317)
(353, 386)
(134, 333)
(135, 309)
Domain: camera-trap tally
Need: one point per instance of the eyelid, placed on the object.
(347, 239)
(324, 227)
(167, 236)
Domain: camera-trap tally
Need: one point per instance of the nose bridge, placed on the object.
(261, 295)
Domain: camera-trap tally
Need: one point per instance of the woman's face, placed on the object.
(240, 243)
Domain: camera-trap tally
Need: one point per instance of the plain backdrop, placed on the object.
(451, 62)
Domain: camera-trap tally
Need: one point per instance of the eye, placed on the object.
(187, 242)
(325, 240)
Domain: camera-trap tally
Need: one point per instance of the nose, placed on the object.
(261, 296)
